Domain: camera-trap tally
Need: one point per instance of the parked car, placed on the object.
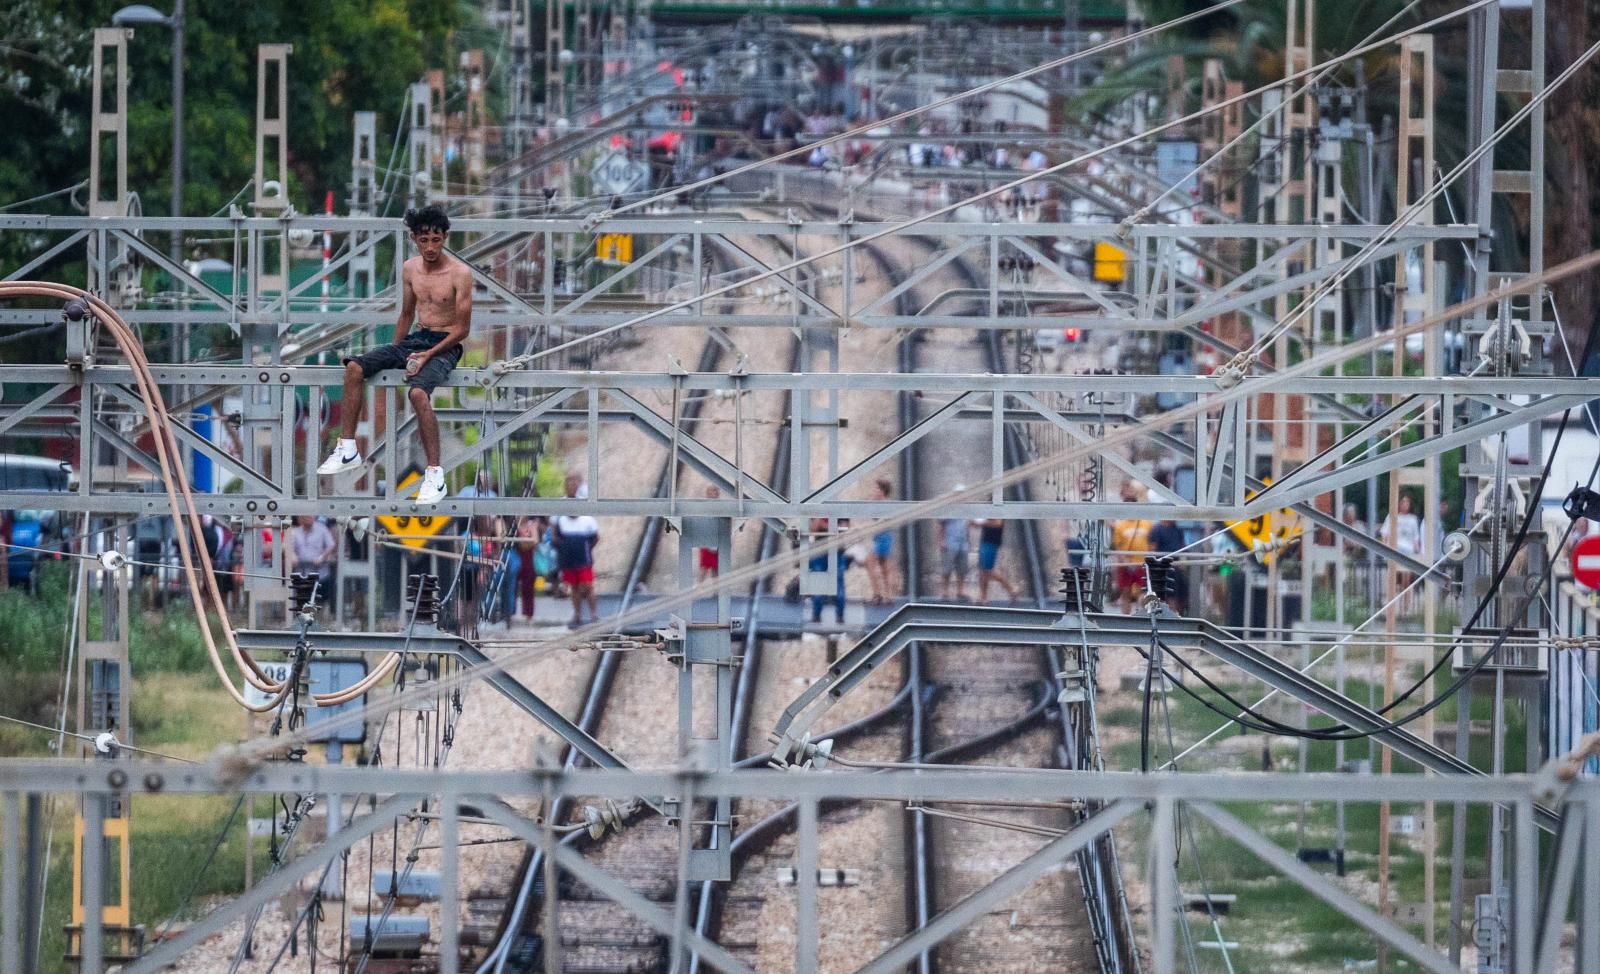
(28, 528)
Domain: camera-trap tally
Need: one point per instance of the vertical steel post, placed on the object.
(11, 914)
(1163, 880)
(805, 946)
(90, 942)
(1589, 884)
(449, 888)
(1525, 891)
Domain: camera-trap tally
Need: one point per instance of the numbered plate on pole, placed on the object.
(276, 672)
(614, 174)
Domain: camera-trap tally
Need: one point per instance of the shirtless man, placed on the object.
(437, 293)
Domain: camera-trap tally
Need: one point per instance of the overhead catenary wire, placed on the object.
(981, 491)
(45, 196)
(1345, 639)
(866, 129)
(91, 738)
(527, 359)
(1227, 147)
(1424, 202)
(202, 583)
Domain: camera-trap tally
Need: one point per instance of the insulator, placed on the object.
(1077, 588)
(303, 591)
(422, 596)
(1158, 573)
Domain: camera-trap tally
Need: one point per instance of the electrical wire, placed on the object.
(45, 196)
(864, 130)
(1288, 99)
(527, 359)
(791, 558)
(203, 590)
(1423, 204)
(91, 739)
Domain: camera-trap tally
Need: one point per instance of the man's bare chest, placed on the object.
(433, 290)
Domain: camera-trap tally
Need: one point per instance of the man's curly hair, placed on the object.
(431, 217)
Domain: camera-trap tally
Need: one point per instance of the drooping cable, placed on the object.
(792, 557)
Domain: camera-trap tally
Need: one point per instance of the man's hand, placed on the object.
(414, 364)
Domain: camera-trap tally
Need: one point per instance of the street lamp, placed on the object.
(142, 15)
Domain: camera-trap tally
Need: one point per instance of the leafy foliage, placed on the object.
(348, 55)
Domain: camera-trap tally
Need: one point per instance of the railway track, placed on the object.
(597, 936)
(1007, 698)
(1008, 715)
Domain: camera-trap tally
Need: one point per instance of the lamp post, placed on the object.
(139, 15)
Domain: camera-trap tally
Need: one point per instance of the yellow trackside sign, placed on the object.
(1268, 533)
(415, 530)
(615, 247)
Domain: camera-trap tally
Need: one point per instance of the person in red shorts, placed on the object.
(575, 537)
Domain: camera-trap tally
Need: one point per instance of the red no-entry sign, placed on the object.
(1586, 561)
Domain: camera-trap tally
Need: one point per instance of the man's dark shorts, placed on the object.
(394, 356)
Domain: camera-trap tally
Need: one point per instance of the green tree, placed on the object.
(349, 55)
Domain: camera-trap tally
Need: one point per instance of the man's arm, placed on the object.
(461, 320)
(408, 304)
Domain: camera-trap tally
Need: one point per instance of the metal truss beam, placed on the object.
(986, 626)
(285, 880)
(1186, 302)
(1123, 794)
(430, 639)
(614, 889)
(1019, 399)
(1008, 884)
(1314, 883)
(229, 777)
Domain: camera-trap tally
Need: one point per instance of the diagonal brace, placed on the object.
(1383, 927)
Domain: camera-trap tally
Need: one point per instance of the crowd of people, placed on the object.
(521, 557)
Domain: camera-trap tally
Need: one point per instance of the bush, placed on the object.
(169, 641)
(36, 625)
(36, 629)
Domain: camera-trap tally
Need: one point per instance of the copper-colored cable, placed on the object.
(176, 485)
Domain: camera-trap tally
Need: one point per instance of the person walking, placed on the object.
(1165, 538)
(1130, 540)
(529, 531)
(955, 546)
(313, 548)
(575, 537)
(880, 566)
(1402, 530)
(991, 534)
(819, 564)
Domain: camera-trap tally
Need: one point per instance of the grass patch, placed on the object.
(172, 840)
(172, 836)
(1279, 925)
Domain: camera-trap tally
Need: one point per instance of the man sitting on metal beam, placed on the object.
(437, 292)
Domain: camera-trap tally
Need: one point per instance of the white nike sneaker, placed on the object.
(432, 490)
(344, 457)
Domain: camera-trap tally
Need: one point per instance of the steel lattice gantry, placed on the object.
(101, 400)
